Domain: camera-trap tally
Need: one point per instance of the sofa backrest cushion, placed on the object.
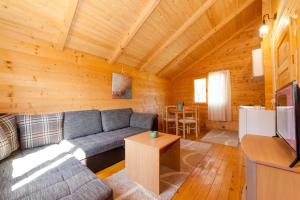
(9, 125)
(40, 130)
(82, 123)
(116, 119)
(142, 120)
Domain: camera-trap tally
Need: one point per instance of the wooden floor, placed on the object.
(219, 176)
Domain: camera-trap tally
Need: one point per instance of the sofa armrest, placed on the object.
(144, 120)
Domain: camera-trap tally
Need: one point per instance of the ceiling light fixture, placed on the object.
(264, 28)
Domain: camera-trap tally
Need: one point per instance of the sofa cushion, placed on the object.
(81, 123)
(49, 173)
(142, 120)
(39, 130)
(91, 145)
(9, 125)
(5, 147)
(116, 119)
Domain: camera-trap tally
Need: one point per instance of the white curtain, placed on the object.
(219, 96)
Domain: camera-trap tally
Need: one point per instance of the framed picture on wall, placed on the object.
(121, 86)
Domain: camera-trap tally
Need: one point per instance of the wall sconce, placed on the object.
(264, 28)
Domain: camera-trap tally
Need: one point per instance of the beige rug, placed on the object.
(229, 138)
(191, 154)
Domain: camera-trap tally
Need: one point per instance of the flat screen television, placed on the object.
(287, 117)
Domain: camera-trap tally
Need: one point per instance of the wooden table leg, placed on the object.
(176, 122)
(167, 125)
(183, 128)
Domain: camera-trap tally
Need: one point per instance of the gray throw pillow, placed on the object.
(9, 126)
(40, 130)
(5, 148)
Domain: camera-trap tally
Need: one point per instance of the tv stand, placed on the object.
(294, 162)
(268, 169)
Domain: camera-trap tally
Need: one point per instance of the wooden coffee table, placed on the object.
(144, 155)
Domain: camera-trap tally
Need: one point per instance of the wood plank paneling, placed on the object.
(148, 34)
(232, 23)
(202, 9)
(191, 55)
(280, 47)
(147, 11)
(40, 78)
(235, 56)
(266, 45)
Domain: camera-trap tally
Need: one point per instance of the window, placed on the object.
(200, 90)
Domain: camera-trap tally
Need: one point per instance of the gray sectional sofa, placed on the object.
(91, 139)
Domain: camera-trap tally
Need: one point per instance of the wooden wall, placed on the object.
(36, 78)
(266, 45)
(281, 46)
(235, 56)
(286, 32)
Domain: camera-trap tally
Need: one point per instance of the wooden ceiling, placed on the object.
(165, 37)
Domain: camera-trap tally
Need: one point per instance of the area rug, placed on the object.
(191, 154)
(229, 138)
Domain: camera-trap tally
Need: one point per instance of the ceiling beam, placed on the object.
(147, 11)
(190, 49)
(182, 29)
(64, 32)
(195, 63)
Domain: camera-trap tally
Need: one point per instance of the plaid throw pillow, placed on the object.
(5, 148)
(39, 130)
(9, 126)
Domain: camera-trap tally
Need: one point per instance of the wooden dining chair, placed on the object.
(169, 121)
(189, 121)
(197, 107)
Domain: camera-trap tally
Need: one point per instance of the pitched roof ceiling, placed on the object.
(161, 36)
